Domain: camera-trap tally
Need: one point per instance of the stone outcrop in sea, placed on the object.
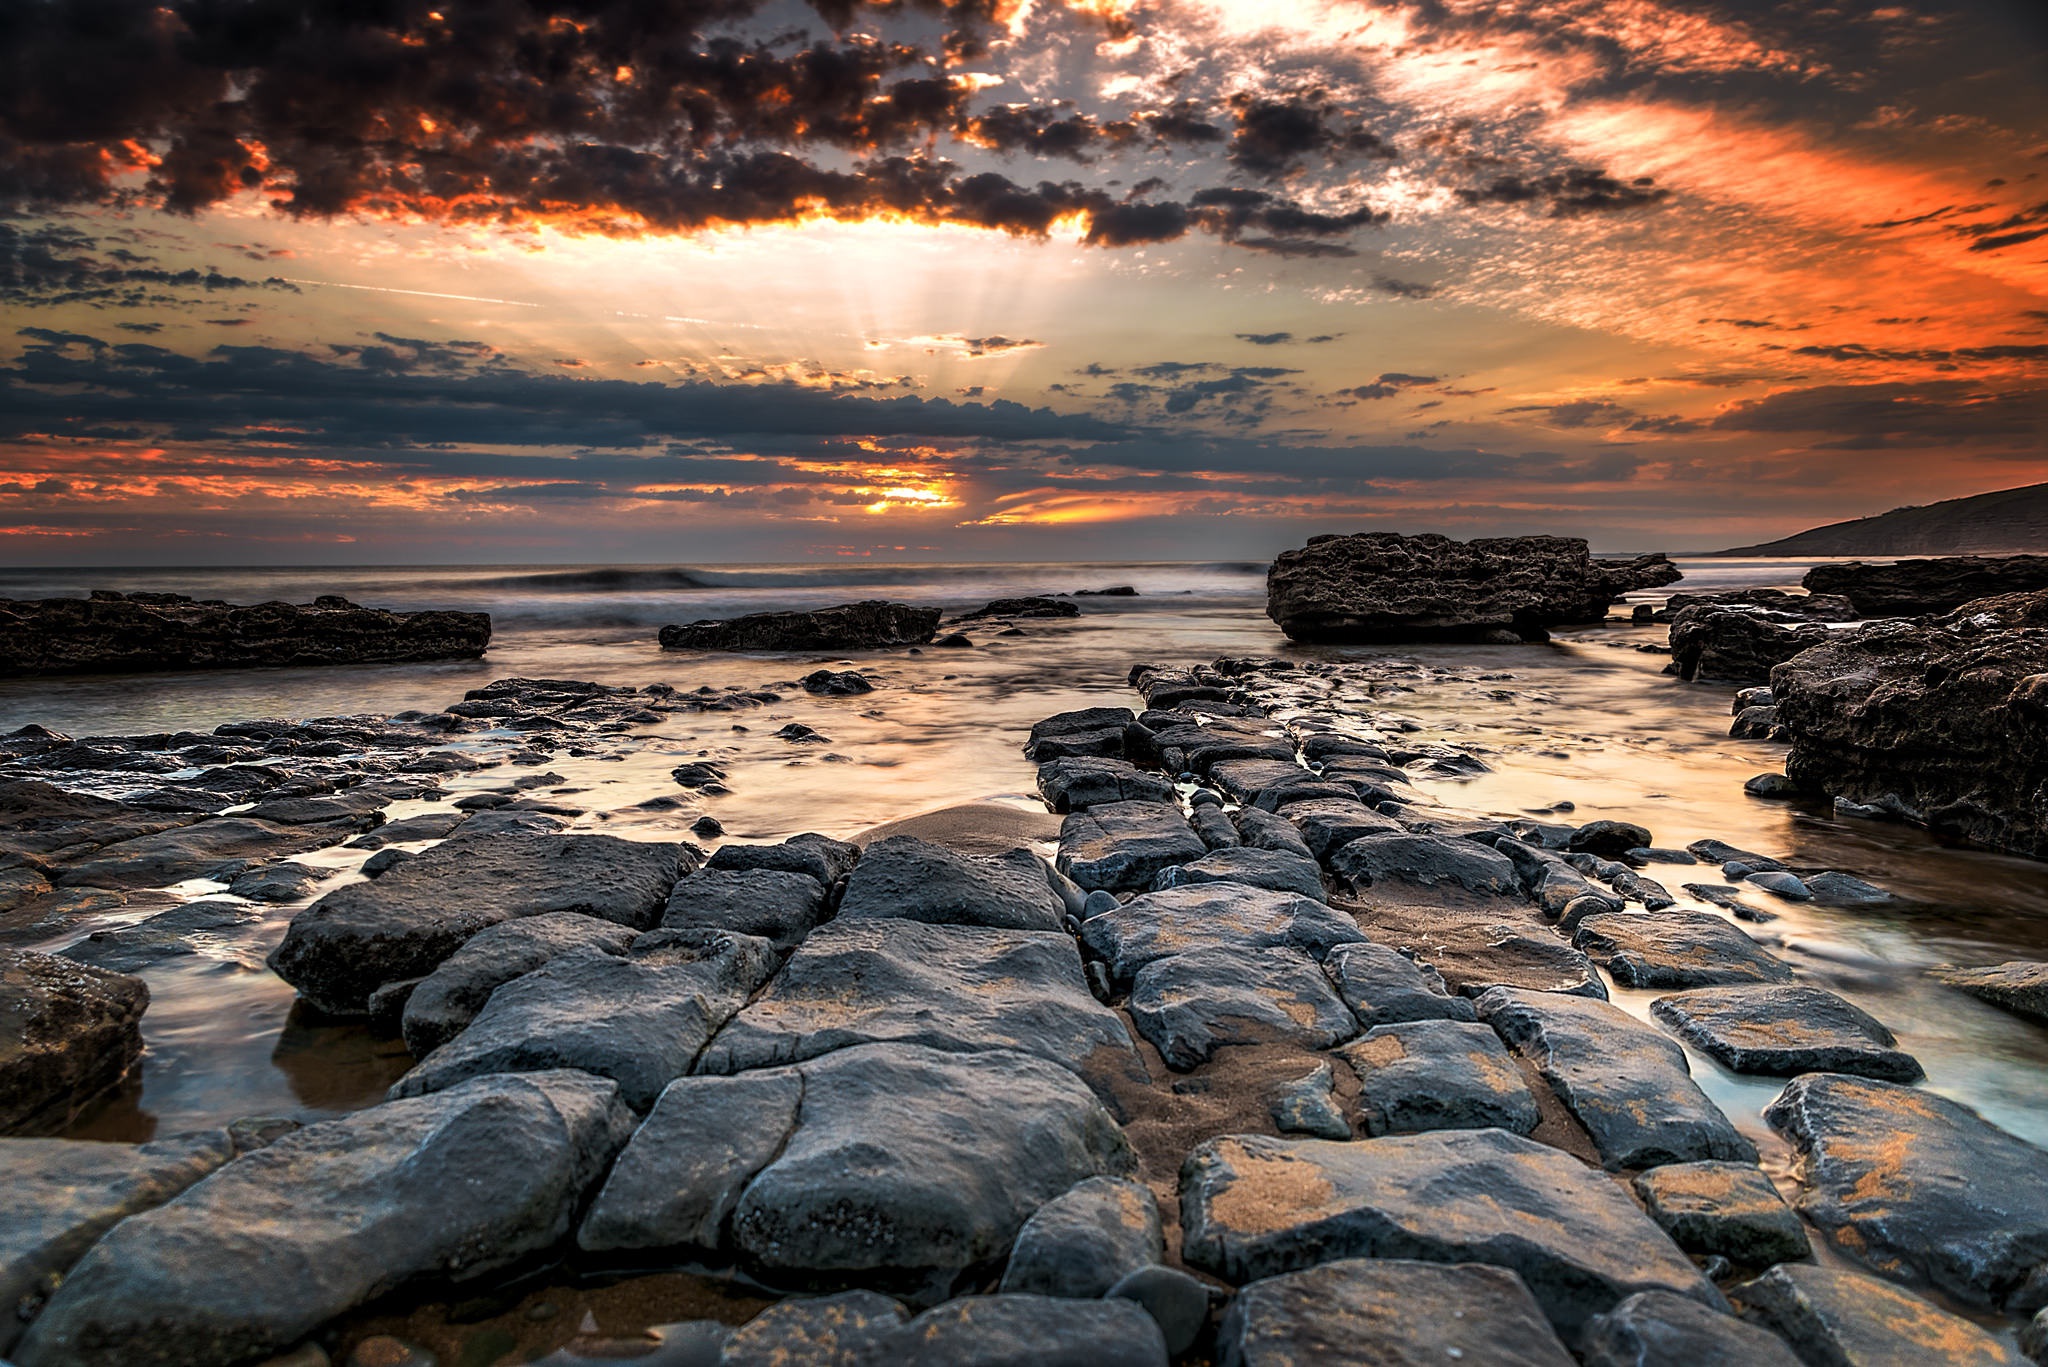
(873, 624)
(115, 633)
(1382, 586)
(1916, 588)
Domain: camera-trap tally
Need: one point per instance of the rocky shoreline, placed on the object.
(1282, 1045)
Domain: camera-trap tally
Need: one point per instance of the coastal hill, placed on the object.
(2006, 520)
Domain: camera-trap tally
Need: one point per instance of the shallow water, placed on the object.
(1587, 719)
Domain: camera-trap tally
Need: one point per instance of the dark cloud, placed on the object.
(1266, 338)
(1857, 351)
(42, 265)
(1387, 386)
(1580, 190)
(1580, 413)
(1275, 134)
(1903, 413)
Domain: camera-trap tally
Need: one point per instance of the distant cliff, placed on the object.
(2008, 520)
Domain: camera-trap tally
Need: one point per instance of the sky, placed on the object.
(385, 281)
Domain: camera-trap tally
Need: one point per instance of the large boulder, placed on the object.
(1736, 644)
(640, 1018)
(1916, 588)
(406, 922)
(114, 633)
(1919, 1186)
(1254, 1206)
(889, 1165)
(869, 625)
(1676, 949)
(252, 1259)
(957, 988)
(68, 1032)
(1945, 718)
(904, 878)
(1382, 586)
(1373, 1312)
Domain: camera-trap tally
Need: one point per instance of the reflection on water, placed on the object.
(1588, 719)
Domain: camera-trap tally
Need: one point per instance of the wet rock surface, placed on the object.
(1737, 644)
(869, 625)
(1785, 1030)
(1189, 1005)
(1656, 1329)
(2018, 985)
(1381, 586)
(1676, 949)
(114, 633)
(71, 1031)
(1730, 1209)
(1124, 846)
(1916, 588)
(1833, 1316)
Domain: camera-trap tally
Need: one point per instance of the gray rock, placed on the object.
(1245, 779)
(1429, 860)
(1383, 986)
(1838, 1318)
(64, 1194)
(902, 1165)
(1329, 824)
(1478, 950)
(1264, 830)
(775, 904)
(1085, 1241)
(871, 624)
(818, 856)
(269, 1248)
(1623, 1080)
(1843, 890)
(1770, 785)
(2034, 1337)
(404, 924)
(1272, 869)
(196, 929)
(1726, 1208)
(1780, 883)
(1190, 1005)
(2018, 985)
(1028, 1331)
(640, 1018)
(1562, 886)
(1609, 839)
(1213, 827)
(1089, 724)
(1658, 1329)
(1721, 852)
(1780, 1031)
(1372, 1312)
(1123, 846)
(957, 988)
(903, 877)
(1071, 783)
(1308, 1105)
(157, 861)
(383, 860)
(846, 1330)
(1098, 903)
(425, 826)
(284, 882)
(1222, 916)
(1677, 949)
(70, 1032)
(1919, 1186)
(1177, 1303)
(1254, 1206)
(1438, 1075)
(442, 1004)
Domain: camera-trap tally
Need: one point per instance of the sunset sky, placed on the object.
(376, 281)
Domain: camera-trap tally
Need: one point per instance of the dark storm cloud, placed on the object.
(1568, 194)
(1901, 413)
(48, 264)
(1275, 134)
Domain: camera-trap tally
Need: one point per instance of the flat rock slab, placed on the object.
(1071, 783)
(640, 1018)
(1244, 779)
(1438, 1075)
(1621, 1079)
(2018, 985)
(819, 856)
(275, 1244)
(1383, 986)
(1042, 1331)
(1082, 1243)
(1254, 1206)
(1275, 870)
(1427, 860)
(1919, 1186)
(1780, 1031)
(1263, 830)
(1658, 1329)
(63, 1194)
(1204, 916)
(1388, 1312)
(1833, 1316)
(1726, 1208)
(1474, 951)
(1677, 949)
(1123, 846)
(902, 877)
(885, 1164)
(442, 1005)
(193, 930)
(779, 906)
(1327, 824)
(157, 861)
(957, 988)
(1190, 1005)
(68, 1032)
(406, 922)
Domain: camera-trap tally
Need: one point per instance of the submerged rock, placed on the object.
(194, 851)
(1036, 605)
(1364, 1312)
(1254, 1206)
(406, 922)
(1918, 1186)
(68, 1032)
(192, 930)
(2018, 985)
(1085, 1241)
(870, 625)
(114, 633)
(1829, 1315)
(1381, 586)
(271, 1247)
(1785, 1030)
